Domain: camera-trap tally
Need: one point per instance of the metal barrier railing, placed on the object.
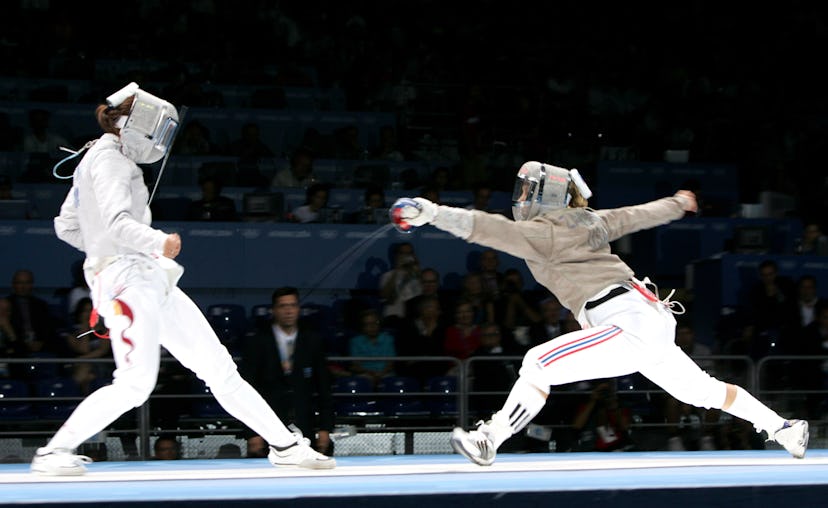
(751, 376)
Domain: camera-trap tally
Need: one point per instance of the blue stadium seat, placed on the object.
(261, 315)
(14, 388)
(358, 404)
(55, 389)
(205, 407)
(442, 405)
(404, 404)
(36, 370)
(229, 321)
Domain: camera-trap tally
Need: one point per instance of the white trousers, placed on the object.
(629, 333)
(143, 310)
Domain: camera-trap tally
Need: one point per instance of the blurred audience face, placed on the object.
(551, 309)
(302, 166)
(490, 336)
(286, 311)
(256, 447)
(807, 290)
(430, 281)
(370, 324)
(166, 449)
(464, 315)
(430, 310)
(22, 283)
(489, 261)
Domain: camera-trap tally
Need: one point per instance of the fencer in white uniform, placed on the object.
(133, 283)
(626, 328)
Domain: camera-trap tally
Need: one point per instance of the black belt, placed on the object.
(620, 290)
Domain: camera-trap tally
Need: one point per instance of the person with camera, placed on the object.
(399, 284)
(601, 423)
(515, 309)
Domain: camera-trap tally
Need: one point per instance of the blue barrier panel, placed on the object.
(231, 256)
(623, 183)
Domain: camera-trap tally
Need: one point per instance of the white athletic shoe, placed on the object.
(300, 454)
(59, 462)
(793, 436)
(475, 445)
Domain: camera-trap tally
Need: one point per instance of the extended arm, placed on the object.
(487, 229)
(629, 219)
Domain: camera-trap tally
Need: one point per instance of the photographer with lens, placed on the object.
(399, 284)
(600, 423)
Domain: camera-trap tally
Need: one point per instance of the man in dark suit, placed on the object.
(286, 363)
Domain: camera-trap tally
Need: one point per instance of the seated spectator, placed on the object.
(603, 424)
(387, 148)
(348, 145)
(807, 300)
(41, 138)
(316, 200)
(257, 448)
(166, 448)
(81, 343)
(194, 139)
(474, 293)
(515, 308)
(772, 309)
(399, 284)
(374, 210)
(491, 276)
(372, 341)
(463, 334)
(299, 173)
(550, 325)
(814, 241)
(229, 451)
(422, 335)
(492, 375)
(249, 144)
(481, 199)
(430, 287)
(213, 206)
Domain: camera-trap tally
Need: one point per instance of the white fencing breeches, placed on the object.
(143, 312)
(629, 334)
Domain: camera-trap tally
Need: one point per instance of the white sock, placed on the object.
(747, 407)
(523, 403)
